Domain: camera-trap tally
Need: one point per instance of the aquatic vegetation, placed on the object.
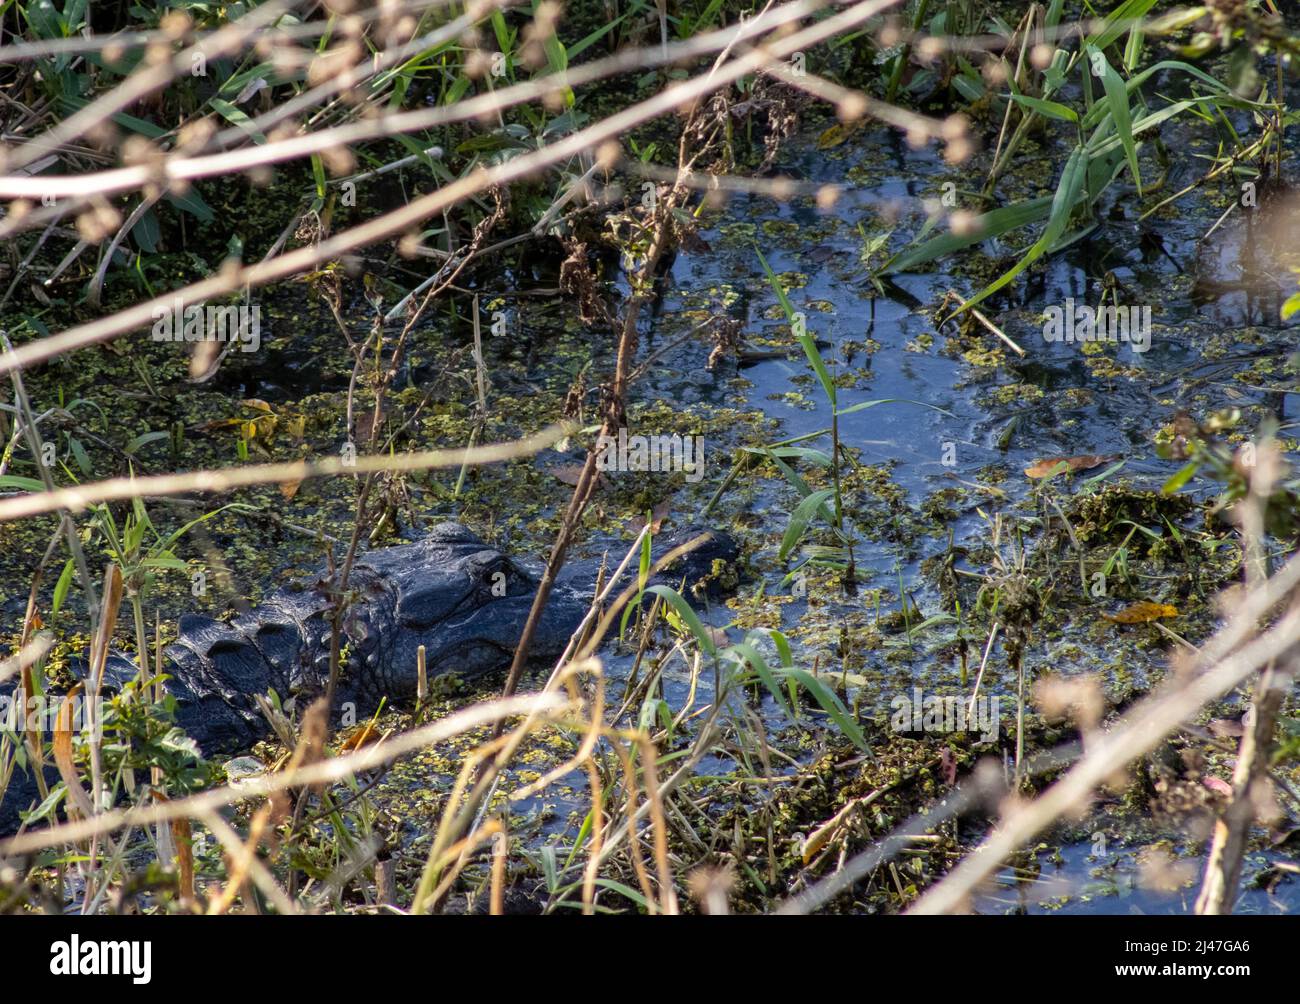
(972, 324)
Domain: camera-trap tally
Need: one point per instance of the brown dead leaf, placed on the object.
(718, 635)
(569, 474)
(289, 489)
(221, 423)
(948, 764)
(363, 735)
(1227, 728)
(370, 424)
(63, 725)
(1083, 462)
(657, 515)
(1142, 613)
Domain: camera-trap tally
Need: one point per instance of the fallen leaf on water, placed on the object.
(718, 635)
(657, 516)
(221, 423)
(1083, 462)
(835, 135)
(570, 474)
(289, 489)
(1227, 728)
(1217, 785)
(363, 736)
(842, 680)
(1142, 613)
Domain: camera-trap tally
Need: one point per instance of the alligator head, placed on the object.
(464, 601)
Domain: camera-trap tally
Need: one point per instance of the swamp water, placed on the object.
(922, 490)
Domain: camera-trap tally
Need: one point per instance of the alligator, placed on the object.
(464, 601)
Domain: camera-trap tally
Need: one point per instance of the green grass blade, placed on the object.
(833, 707)
(1117, 102)
(800, 518)
(1067, 194)
(819, 457)
(688, 616)
(991, 224)
(1052, 109)
(1184, 475)
(805, 339)
(751, 655)
(1119, 21)
(864, 405)
(61, 587)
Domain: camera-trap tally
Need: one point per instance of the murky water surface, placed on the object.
(1216, 342)
(927, 473)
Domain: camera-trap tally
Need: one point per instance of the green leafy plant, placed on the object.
(814, 504)
(1107, 133)
(141, 552)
